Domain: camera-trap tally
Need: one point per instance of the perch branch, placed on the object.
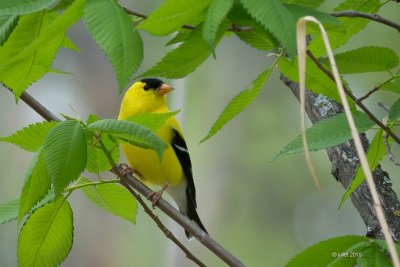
(163, 205)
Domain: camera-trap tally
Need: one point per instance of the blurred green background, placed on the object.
(262, 212)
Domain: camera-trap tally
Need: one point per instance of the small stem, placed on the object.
(74, 187)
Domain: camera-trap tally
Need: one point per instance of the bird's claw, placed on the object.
(126, 169)
(154, 197)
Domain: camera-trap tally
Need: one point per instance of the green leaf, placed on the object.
(240, 102)
(24, 71)
(65, 153)
(7, 25)
(112, 28)
(130, 130)
(382, 245)
(97, 160)
(171, 15)
(9, 211)
(375, 153)
(394, 111)
(113, 198)
(186, 58)
(46, 238)
(314, 4)
(31, 137)
(37, 184)
(216, 13)
(373, 257)
(26, 53)
(63, 4)
(351, 26)
(20, 7)
(327, 133)
(153, 121)
(257, 38)
(298, 11)
(276, 18)
(327, 252)
(365, 59)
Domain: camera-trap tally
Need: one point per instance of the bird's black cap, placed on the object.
(151, 83)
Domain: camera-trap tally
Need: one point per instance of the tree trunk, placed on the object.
(345, 161)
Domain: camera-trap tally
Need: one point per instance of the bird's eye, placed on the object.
(146, 87)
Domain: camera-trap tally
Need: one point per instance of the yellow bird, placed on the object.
(174, 172)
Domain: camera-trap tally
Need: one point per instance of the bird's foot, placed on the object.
(154, 197)
(126, 169)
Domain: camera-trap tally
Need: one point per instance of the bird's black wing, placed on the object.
(182, 152)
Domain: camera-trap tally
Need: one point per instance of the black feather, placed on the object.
(181, 151)
(151, 83)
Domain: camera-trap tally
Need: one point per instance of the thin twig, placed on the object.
(154, 217)
(370, 92)
(163, 205)
(377, 87)
(374, 17)
(389, 151)
(355, 99)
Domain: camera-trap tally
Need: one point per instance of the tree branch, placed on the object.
(346, 13)
(163, 205)
(374, 17)
(368, 94)
(355, 99)
(233, 28)
(345, 163)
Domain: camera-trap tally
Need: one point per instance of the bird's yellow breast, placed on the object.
(147, 163)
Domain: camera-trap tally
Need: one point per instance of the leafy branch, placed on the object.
(355, 99)
(130, 182)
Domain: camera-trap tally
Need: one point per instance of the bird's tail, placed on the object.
(192, 214)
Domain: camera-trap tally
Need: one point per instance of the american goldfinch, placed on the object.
(174, 171)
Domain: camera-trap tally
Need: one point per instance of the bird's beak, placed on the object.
(163, 89)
